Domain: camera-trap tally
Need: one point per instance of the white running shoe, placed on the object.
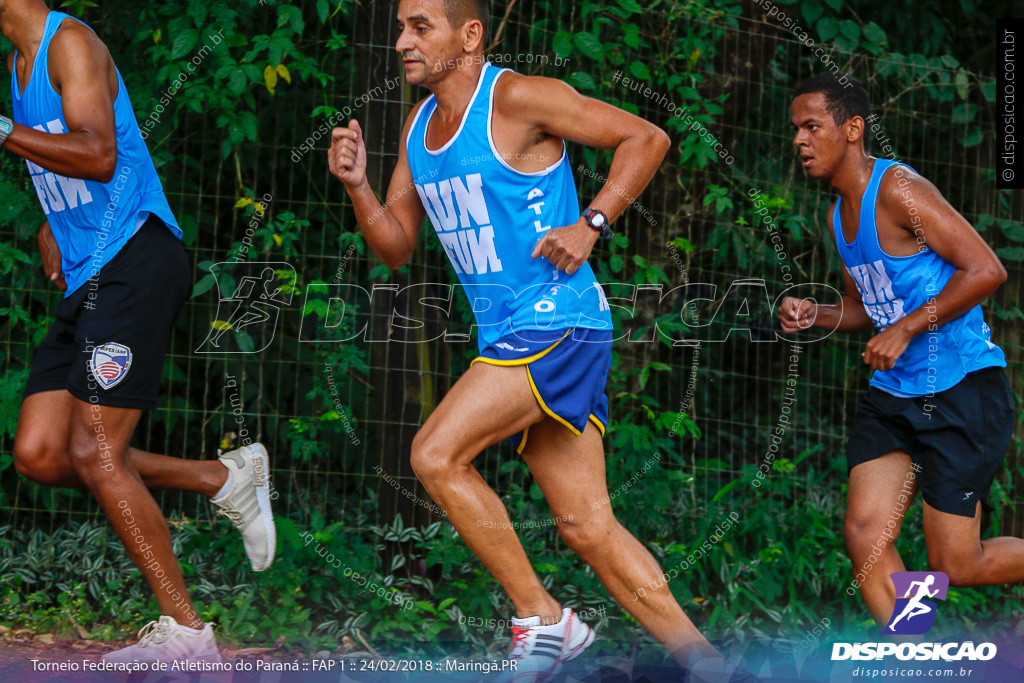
(165, 641)
(247, 504)
(539, 652)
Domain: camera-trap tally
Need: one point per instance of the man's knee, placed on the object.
(862, 531)
(91, 459)
(428, 461)
(587, 538)
(39, 460)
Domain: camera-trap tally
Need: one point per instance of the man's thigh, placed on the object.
(487, 404)
(881, 489)
(99, 436)
(570, 470)
(952, 539)
(44, 425)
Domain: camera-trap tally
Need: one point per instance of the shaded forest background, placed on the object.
(227, 139)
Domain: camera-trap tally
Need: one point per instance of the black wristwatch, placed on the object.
(596, 219)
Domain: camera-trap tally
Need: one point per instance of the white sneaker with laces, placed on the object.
(165, 641)
(247, 504)
(539, 652)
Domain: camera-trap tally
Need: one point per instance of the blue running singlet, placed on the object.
(90, 220)
(489, 217)
(893, 286)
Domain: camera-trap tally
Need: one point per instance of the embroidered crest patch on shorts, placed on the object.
(110, 363)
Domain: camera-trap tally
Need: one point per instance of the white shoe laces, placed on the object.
(234, 515)
(154, 632)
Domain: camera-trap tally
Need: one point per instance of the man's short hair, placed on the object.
(461, 11)
(843, 101)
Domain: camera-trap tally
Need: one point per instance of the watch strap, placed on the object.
(6, 126)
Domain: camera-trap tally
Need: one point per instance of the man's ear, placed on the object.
(472, 35)
(855, 129)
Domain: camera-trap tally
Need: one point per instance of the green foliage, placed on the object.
(222, 143)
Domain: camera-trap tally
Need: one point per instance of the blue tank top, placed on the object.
(893, 286)
(90, 220)
(489, 217)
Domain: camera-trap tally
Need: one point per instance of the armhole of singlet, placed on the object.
(415, 122)
(16, 89)
(837, 228)
(494, 149)
(878, 242)
(874, 207)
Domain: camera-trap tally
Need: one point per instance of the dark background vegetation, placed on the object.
(226, 139)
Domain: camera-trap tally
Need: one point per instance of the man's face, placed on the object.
(821, 143)
(428, 44)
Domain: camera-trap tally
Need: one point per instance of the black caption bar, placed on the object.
(1009, 117)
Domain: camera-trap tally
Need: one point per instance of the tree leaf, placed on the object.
(631, 35)
(589, 45)
(562, 44)
(270, 78)
(1011, 253)
(204, 285)
(640, 70)
(581, 81)
(812, 11)
(827, 29)
(875, 34)
(184, 42)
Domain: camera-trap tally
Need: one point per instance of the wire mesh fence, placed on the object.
(339, 416)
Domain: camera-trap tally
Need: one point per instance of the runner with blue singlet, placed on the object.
(939, 414)
(487, 158)
(111, 243)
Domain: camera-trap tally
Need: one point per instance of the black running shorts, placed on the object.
(958, 437)
(108, 342)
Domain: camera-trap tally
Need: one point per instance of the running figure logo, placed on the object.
(255, 305)
(913, 614)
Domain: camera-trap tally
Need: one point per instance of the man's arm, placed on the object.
(51, 255)
(391, 230)
(554, 108)
(941, 228)
(80, 66)
(846, 316)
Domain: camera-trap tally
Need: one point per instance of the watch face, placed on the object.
(597, 220)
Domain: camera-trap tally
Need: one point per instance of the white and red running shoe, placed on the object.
(539, 652)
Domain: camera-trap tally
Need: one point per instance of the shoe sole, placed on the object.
(263, 500)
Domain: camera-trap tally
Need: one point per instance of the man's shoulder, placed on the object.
(900, 181)
(74, 40)
(515, 92)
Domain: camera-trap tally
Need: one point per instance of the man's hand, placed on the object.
(567, 248)
(51, 256)
(885, 348)
(347, 156)
(797, 314)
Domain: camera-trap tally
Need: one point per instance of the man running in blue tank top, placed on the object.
(486, 156)
(939, 413)
(112, 244)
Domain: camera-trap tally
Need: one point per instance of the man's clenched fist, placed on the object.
(347, 156)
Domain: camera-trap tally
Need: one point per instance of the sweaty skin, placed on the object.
(531, 119)
(56, 442)
(836, 153)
